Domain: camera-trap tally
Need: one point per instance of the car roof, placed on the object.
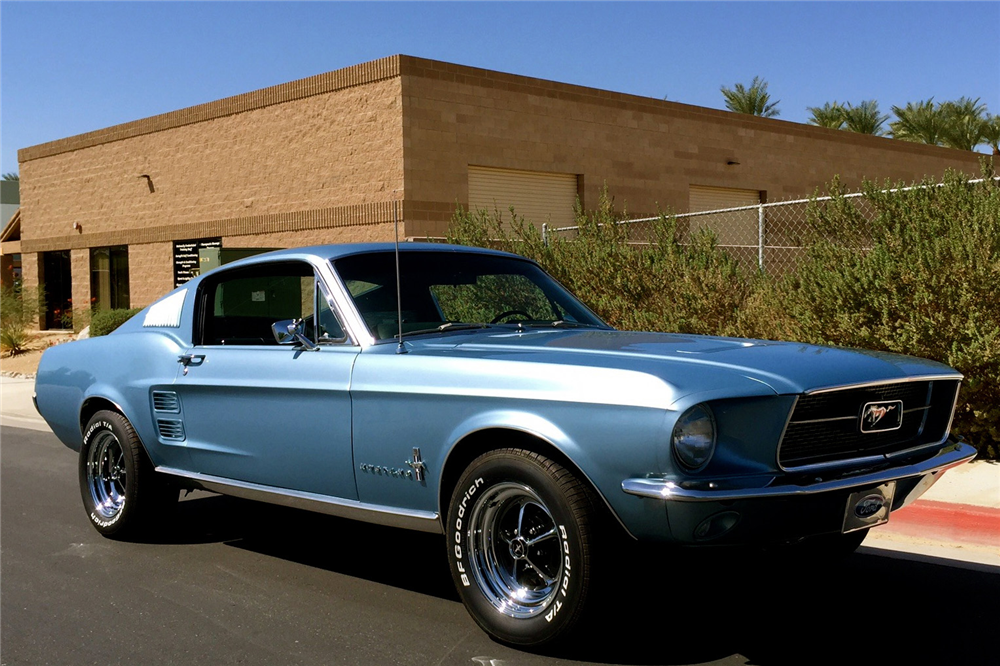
(338, 251)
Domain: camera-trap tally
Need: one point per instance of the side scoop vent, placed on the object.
(166, 401)
(170, 430)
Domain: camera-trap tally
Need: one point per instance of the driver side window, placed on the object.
(240, 305)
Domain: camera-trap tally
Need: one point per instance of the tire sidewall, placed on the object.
(100, 423)
(564, 609)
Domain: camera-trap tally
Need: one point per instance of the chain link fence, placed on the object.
(768, 236)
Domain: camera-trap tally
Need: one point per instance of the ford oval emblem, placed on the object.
(869, 506)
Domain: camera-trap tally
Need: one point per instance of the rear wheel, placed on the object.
(122, 494)
(520, 544)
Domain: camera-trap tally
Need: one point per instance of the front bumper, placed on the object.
(788, 506)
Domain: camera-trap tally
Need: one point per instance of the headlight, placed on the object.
(693, 438)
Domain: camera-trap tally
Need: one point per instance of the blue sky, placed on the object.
(68, 68)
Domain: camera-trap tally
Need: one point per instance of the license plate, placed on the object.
(868, 507)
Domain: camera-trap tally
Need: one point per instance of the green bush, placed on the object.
(19, 308)
(634, 278)
(914, 272)
(103, 322)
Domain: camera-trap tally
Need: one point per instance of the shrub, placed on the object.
(19, 310)
(103, 322)
(636, 277)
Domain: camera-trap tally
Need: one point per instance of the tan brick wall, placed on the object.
(150, 272)
(31, 275)
(31, 269)
(336, 151)
(79, 271)
(362, 234)
(647, 151)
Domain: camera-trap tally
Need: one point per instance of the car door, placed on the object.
(262, 413)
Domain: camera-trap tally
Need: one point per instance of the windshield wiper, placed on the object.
(561, 323)
(447, 326)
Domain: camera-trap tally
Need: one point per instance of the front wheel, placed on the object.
(122, 494)
(520, 541)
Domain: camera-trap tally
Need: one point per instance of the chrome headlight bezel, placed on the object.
(694, 437)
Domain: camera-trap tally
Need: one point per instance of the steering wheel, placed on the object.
(509, 313)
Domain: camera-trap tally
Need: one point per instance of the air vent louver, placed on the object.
(166, 401)
(170, 429)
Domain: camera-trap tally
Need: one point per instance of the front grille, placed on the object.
(825, 428)
(170, 429)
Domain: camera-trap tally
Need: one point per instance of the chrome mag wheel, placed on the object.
(106, 475)
(515, 550)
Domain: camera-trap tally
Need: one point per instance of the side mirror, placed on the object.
(289, 332)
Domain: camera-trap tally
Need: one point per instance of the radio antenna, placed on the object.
(399, 292)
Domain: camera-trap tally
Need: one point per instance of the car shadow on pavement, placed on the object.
(663, 606)
(416, 561)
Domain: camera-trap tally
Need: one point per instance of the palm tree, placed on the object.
(830, 115)
(921, 122)
(754, 100)
(865, 118)
(991, 133)
(10, 175)
(965, 121)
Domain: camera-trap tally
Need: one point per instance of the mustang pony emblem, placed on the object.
(874, 414)
(882, 416)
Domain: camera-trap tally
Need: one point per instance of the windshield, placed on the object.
(449, 291)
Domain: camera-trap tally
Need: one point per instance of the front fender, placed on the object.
(591, 439)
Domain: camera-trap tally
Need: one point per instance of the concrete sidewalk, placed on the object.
(962, 510)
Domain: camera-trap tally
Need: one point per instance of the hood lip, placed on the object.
(883, 382)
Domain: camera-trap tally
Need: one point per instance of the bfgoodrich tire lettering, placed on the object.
(121, 493)
(519, 537)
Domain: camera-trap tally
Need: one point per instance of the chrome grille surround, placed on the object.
(823, 429)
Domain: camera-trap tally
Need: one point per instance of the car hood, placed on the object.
(692, 363)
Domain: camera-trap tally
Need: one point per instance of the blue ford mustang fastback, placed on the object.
(465, 392)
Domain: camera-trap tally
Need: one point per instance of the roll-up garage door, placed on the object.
(536, 195)
(734, 228)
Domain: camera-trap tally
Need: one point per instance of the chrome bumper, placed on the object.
(953, 454)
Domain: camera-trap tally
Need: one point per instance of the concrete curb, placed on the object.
(948, 522)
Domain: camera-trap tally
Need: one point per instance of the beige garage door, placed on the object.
(735, 228)
(536, 195)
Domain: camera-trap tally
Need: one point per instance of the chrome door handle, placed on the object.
(191, 359)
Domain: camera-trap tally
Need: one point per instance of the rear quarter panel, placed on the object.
(120, 368)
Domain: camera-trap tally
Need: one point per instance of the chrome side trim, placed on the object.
(422, 521)
(883, 382)
(956, 453)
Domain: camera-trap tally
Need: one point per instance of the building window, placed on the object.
(109, 278)
(57, 286)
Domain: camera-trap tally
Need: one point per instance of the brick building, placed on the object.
(106, 216)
